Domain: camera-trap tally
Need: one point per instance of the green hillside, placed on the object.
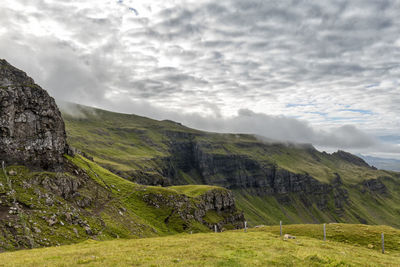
(128, 143)
(271, 181)
(89, 202)
(346, 245)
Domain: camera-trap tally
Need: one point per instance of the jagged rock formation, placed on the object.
(36, 204)
(32, 131)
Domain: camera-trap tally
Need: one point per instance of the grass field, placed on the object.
(347, 245)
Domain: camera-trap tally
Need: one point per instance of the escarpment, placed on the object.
(32, 131)
(241, 172)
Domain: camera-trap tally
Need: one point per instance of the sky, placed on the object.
(308, 71)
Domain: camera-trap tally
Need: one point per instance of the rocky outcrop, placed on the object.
(32, 131)
(64, 185)
(222, 202)
(375, 186)
(219, 201)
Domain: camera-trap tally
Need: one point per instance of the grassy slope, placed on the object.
(371, 208)
(118, 208)
(123, 142)
(347, 245)
(131, 143)
(193, 191)
(131, 197)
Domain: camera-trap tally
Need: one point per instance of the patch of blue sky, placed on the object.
(345, 120)
(361, 111)
(339, 119)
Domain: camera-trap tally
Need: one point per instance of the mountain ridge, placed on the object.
(271, 181)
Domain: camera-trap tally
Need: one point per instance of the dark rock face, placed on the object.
(241, 172)
(32, 131)
(374, 186)
(236, 172)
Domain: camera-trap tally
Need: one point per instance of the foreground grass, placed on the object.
(257, 247)
(367, 236)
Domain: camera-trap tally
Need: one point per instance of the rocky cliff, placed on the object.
(213, 208)
(240, 172)
(32, 131)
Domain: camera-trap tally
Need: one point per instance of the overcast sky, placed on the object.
(322, 72)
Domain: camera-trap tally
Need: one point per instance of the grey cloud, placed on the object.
(212, 57)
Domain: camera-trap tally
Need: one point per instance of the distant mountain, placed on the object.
(382, 163)
(271, 181)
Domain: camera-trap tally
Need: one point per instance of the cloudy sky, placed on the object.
(321, 72)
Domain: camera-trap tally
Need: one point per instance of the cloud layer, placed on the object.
(307, 71)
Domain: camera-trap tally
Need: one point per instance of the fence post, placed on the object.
(215, 228)
(280, 227)
(245, 226)
(383, 243)
(324, 231)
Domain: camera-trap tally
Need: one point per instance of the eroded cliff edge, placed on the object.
(32, 131)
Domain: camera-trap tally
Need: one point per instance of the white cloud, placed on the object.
(296, 61)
